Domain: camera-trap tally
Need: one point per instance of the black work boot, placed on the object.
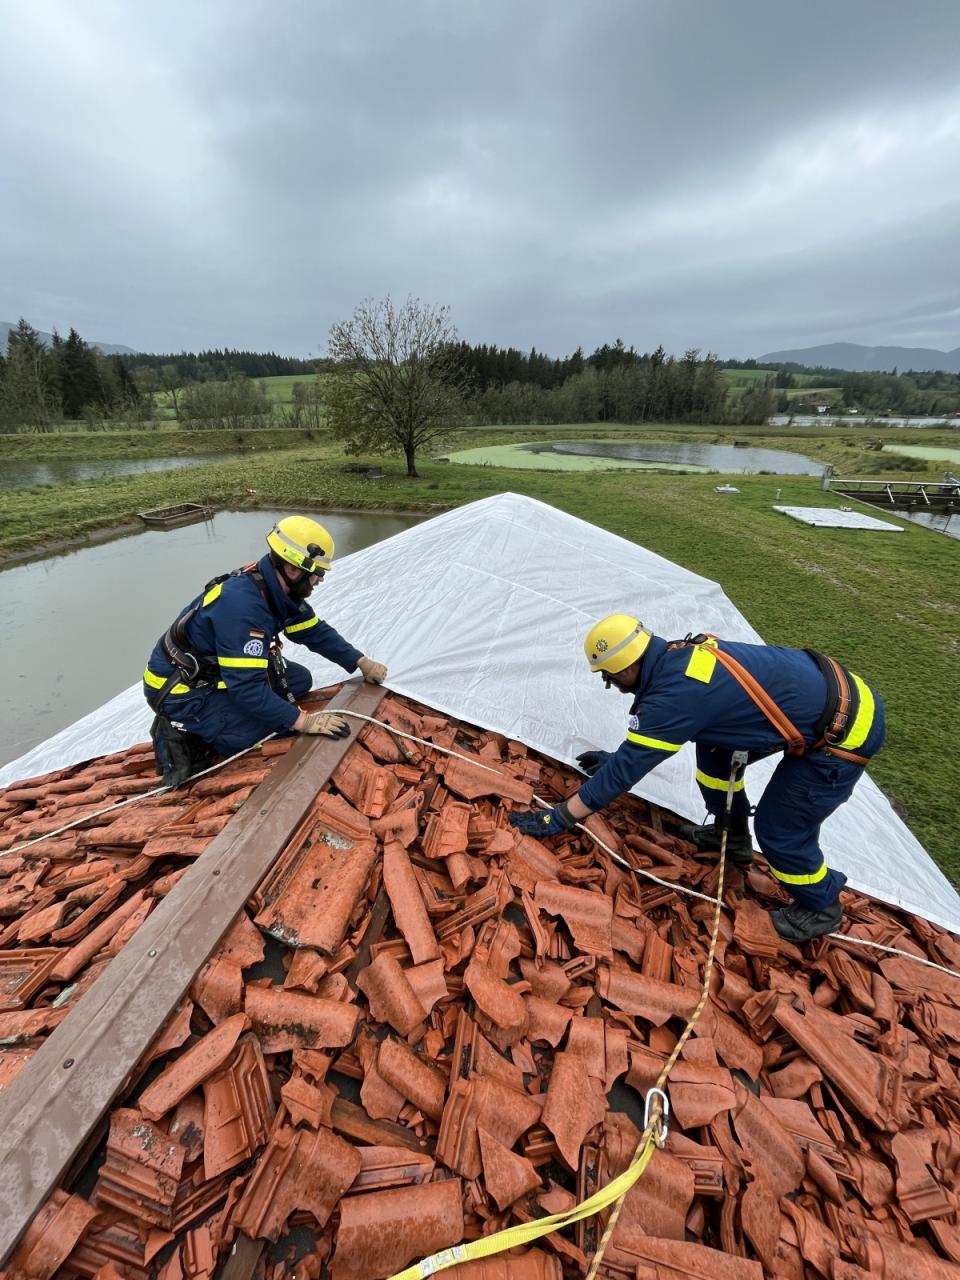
(799, 924)
(707, 838)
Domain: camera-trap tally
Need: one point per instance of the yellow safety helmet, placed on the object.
(614, 642)
(302, 542)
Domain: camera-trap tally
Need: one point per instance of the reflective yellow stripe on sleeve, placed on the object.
(864, 721)
(301, 626)
(639, 740)
(243, 662)
(213, 594)
(717, 784)
(814, 878)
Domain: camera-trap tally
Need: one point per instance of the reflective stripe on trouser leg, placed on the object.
(713, 776)
(803, 791)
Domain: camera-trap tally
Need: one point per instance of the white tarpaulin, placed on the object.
(481, 614)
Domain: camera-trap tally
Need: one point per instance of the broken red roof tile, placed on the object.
(218, 989)
(380, 1100)
(498, 1000)
(292, 1020)
(391, 997)
(547, 1022)
(504, 1112)
(237, 1109)
(52, 1236)
(299, 1169)
(588, 916)
(654, 1001)
(381, 1231)
(406, 902)
(370, 788)
(867, 1079)
(774, 1153)
(428, 983)
(24, 972)
(143, 1169)
(603, 1048)
(186, 1125)
(919, 1195)
(506, 1175)
(698, 1093)
(192, 1067)
(574, 1104)
(313, 901)
(384, 1167)
(474, 777)
(306, 1103)
(416, 1080)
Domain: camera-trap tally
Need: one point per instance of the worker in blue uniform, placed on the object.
(728, 697)
(216, 678)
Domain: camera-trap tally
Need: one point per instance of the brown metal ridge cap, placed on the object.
(50, 1109)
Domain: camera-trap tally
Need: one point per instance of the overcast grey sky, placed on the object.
(736, 175)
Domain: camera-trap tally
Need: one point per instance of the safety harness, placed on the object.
(202, 670)
(178, 753)
(839, 709)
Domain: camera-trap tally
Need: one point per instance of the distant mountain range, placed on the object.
(856, 359)
(108, 349)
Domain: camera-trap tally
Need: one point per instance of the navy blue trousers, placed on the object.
(218, 718)
(802, 793)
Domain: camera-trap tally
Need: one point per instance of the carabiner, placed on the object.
(663, 1128)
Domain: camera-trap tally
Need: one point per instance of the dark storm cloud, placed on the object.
(738, 176)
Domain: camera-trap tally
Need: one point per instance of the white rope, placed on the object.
(144, 795)
(448, 751)
(667, 884)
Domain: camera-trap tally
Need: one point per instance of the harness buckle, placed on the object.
(662, 1127)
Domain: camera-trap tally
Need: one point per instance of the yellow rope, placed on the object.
(653, 1136)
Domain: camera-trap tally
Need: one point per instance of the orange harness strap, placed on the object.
(796, 746)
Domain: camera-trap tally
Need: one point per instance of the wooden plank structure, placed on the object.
(49, 1111)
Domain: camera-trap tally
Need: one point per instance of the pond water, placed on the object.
(78, 628)
(939, 521)
(29, 475)
(695, 457)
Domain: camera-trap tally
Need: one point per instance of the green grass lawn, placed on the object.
(890, 607)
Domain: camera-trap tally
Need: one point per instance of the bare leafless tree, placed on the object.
(397, 382)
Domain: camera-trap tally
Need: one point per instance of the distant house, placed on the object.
(821, 406)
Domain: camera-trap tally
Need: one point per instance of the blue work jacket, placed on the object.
(685, 695)
(237, 625)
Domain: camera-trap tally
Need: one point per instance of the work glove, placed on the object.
(327, 724)
(372, 672)
(590, 761)
(545, 822)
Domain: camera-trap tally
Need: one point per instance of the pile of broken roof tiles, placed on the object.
(426, 1027)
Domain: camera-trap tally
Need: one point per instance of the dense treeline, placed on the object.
(70, 381)
(220, 364)
(40, 386)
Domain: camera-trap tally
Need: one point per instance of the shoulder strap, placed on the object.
(796, 745)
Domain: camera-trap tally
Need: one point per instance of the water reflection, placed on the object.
(746, 460)
(77, 628)
(31, 475)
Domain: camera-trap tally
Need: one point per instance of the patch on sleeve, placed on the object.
(633, 724)
(259, 634)
(253, 648)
